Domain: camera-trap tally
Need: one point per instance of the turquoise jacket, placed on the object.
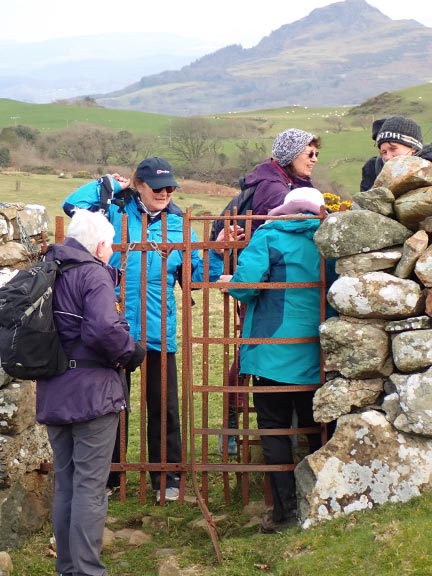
(281, 251)
(87, 197)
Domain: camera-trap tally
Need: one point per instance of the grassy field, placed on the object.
(344, 149)
(393, 540)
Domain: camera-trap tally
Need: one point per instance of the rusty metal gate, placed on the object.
(209, 334)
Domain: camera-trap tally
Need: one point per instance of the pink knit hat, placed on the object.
(298, 201)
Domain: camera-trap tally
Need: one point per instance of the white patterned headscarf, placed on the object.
(289, 144)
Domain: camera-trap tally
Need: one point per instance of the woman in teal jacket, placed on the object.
(282, 251)
(153, 184)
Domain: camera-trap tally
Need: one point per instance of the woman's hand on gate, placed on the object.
(235, 233)
(224, 278)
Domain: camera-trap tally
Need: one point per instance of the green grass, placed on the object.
(393, 540)
(58, 116)
(342, 155)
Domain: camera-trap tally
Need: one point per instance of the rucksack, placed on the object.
(108, 197)
(242, 201)
(30, 347)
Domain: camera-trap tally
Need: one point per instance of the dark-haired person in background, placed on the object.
(149, 192)
(372, 167)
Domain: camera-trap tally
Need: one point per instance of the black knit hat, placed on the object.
(402, 130)
(376, 126)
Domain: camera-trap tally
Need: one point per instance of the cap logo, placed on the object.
(162, 171)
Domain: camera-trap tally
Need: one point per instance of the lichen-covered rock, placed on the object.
(24, 508)
(378, 200)
(376, 295)
(414, 400)
(369, 261)
(23, 453)
(356, 348)
(423, 267)
(367, 462)
(356, 231)
(413, 207)
(412, 350)
(343, 395)
(403, 174)
(17, 407)
(413, 248)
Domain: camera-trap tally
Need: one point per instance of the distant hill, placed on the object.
(41, 72)
(338, 55)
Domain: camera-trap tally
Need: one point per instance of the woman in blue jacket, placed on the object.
(282, 251)
(150, 194)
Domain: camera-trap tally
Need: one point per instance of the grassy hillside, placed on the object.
(345, 131)
(59, 116)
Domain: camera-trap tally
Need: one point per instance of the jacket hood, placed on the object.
(264, 171)
(73, 251)
(300, 226)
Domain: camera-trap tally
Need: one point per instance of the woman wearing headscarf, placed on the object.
(294, 156)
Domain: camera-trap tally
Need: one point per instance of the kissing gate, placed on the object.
(209, 336)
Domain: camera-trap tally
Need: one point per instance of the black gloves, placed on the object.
(137, 357)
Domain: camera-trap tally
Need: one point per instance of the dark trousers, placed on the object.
(275, 410)
(154, 419)
(154, 414)
(82, 459)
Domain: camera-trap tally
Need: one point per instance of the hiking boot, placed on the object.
(270, 526)
(171, 494)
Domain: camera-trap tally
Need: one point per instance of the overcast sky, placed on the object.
(222, 22)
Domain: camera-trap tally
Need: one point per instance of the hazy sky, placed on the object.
(222, 22)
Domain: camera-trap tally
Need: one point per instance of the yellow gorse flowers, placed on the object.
(333, 202)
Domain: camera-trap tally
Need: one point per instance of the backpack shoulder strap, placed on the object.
(107, 196)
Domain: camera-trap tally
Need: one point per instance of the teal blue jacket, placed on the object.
(87, 197)
(281, 251)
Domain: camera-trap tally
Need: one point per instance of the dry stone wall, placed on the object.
(25, 493)
(377, 352)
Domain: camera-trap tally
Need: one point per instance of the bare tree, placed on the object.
(193, 139)
(250, 155)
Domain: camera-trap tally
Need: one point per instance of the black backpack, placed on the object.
(30, 347)
(242, 201)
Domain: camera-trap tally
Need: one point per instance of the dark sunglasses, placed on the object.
(312, 153)
(169, 189)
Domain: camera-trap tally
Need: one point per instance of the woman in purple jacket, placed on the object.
(81, 407)
(294, 155)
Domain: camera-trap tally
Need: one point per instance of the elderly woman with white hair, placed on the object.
(81, 407)
(282, 250)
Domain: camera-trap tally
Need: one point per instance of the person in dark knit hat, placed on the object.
(399, 136)
(373, 166)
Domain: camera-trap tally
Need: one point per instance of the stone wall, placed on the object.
(378, 352)
(25, 493)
